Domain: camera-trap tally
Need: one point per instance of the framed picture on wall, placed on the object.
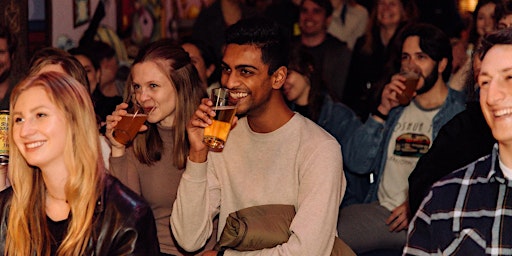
(81, 12)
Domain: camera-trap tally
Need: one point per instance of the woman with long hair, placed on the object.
(164, 79)
(61, 202)
(377, 53)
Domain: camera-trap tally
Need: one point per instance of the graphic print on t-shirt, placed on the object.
(411, 145)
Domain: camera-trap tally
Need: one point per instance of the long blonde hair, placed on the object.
(27, 232)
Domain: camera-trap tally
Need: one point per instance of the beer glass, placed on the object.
(412, 75)
(129, 125)
(216, 134)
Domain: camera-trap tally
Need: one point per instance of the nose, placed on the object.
(143, 95)
(27, 128)
(495, 93)
(229, 80)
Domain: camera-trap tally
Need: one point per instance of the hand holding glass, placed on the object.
(412, 75)
(216, 134)
(130, 124)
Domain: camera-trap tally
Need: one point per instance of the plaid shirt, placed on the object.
(468, 212)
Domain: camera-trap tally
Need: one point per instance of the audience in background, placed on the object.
(204, 60)
(332, 57)
(212, 22)
(376, 54)
(484, 22)
(8, 45)
(348, 21)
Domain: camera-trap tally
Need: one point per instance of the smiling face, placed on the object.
(153, 88)
(495, 81)
(485, 22)
(390, 12)
(244, 72)
(313, 19)
(38, 129)
(296, 88)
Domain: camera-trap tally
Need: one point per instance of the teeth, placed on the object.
(238, 95)
(34, 144)
(503, 112)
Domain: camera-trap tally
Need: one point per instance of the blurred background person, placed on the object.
(375, 52)
(8, 45)
(348, 21)
(203, 58)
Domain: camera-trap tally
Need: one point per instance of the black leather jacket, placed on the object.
(123, 223)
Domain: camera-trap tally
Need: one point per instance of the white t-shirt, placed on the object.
(411, 138)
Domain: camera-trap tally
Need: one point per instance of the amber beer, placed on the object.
(4, 137)
(216, 134)
(412, 77)
(128, 126)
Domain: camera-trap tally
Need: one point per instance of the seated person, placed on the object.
(392, 140)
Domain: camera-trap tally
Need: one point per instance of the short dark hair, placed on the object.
(87, 53)
(324, 4)
(502, 36)
(12, 43)
(266, 35)
(434, 42)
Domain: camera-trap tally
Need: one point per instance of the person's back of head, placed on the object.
(265, 34)
(503, 36)
(45, 57)
(434, 42)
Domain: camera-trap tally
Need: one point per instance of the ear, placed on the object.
(209, 70)
(279, 77)
(442, 65)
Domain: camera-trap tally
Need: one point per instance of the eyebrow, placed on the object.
(239, 66)
(34, 109)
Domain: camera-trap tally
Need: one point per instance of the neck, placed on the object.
(505, 150)
(435, 97)
(313, 40)
(270, 117)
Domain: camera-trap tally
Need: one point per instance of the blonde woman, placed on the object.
(61, 202)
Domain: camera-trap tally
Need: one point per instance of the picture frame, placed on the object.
(81, 12)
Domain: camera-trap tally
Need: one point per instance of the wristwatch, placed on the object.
(376, 112)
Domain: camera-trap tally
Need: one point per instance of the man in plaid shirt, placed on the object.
(469, 212)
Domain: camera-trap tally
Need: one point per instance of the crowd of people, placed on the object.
(323, 157)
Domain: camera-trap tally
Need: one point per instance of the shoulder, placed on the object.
(334, 43)
(456, 96)
(311, 131)
(120, 198)
(477, 169)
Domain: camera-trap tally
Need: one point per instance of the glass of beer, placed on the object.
(412, 75)
(130, 124)
(216, 134)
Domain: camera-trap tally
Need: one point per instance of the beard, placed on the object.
(429, 81)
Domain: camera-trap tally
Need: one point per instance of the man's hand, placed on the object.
(389, 97)
(195, 130)
(399, 218)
